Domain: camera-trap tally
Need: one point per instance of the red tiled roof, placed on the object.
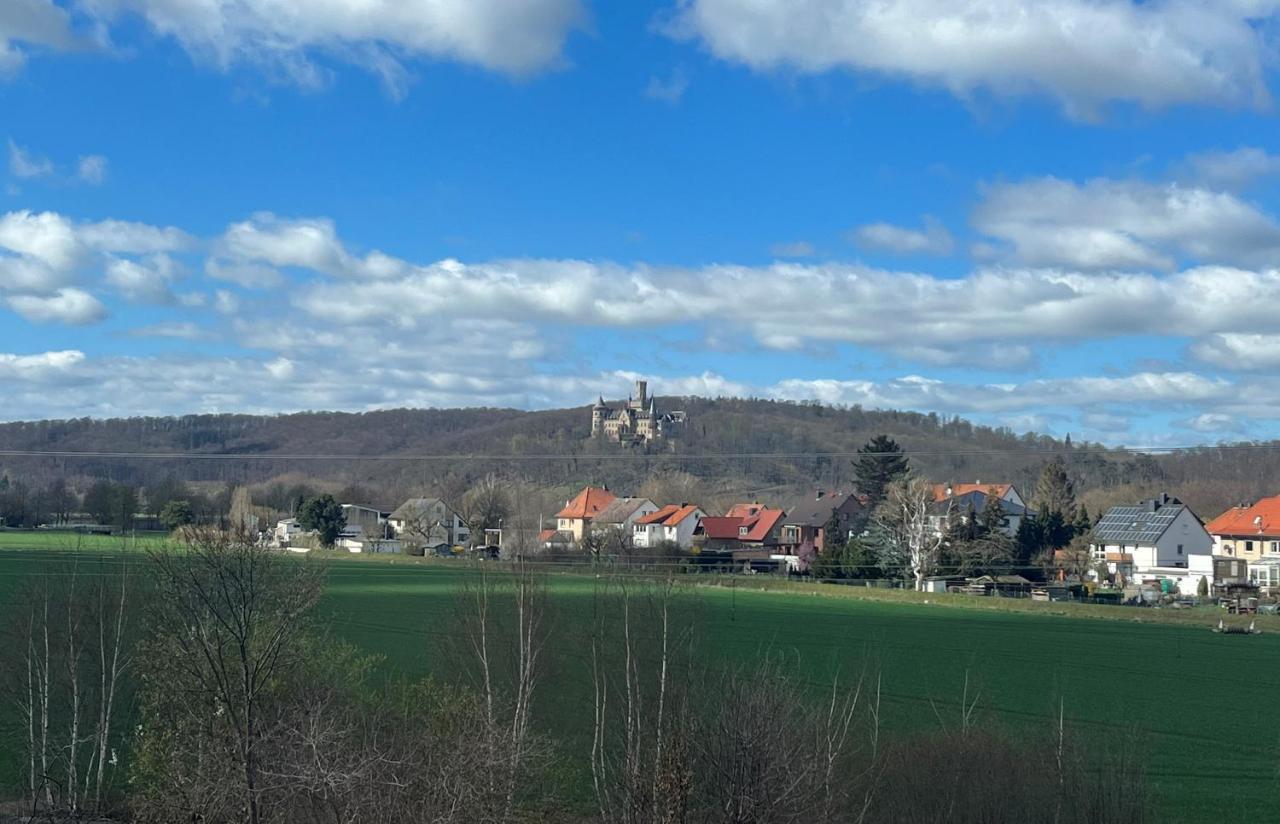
(546, 535)
(1263, 518)
(745, 510)
(940, 490)
(723, 528)
(588, 504)
(670, 515)
(759, 526)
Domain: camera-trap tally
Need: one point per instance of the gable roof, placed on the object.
(815, 512)
(722, 527)
(620, 509)
(588, 503)
(761, 524)
(1261, 519)
(1141, 524)
(417, 507)
(958, 490)
(669, 515)
(977, 500)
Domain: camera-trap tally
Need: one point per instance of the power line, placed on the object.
(624, 456)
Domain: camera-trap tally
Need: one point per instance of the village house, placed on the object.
(1251, 531)
(960, 506)
(1150, 540)
(804, 527)
(674, 523)
(363, 521)
(623, 513)
(429, 522)
(1007, 493)
(574, 521)
(746, 532)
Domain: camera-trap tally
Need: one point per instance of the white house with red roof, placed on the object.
(576, 517)
(674, 523)
(1248, 531)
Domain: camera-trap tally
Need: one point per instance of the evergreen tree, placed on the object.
(176, 514)
(993, 519)
(323, 515)
(1054, 491)
(1083, 522)
(880, 463)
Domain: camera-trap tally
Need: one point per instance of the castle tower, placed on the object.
(597, 417)
(642, 392)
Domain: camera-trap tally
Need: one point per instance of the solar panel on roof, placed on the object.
(1135, 524)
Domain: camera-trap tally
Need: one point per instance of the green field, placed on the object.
(1195, 702)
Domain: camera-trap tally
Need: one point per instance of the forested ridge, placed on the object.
(722, 445)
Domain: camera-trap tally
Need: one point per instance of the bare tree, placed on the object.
(505, 630)
(485, 505)
(907, 539)
(227, 621)
(66, 660)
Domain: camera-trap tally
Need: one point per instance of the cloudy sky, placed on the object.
(1058, 215)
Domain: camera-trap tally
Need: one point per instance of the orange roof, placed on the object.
(940, 490)
(745, 510)
(588, 504)
(670, 515)
(1263, 518)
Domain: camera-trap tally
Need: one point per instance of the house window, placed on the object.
(1179, 549)
(1275, 546)
(742, 530)
(1248, 546)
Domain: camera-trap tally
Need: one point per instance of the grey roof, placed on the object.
(978, 501)
(619, 510)
(417, 507)
(1142, 524)
(812, 511)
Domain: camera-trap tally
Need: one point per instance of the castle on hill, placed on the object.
(635, 422)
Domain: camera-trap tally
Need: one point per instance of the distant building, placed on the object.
(429, 522)
(1149, 537)
(674, 523)
(1249, 531)
(622, 513)
(362, 521)
(637, 421)
(956, 507)
(804, 527)
(578, 514)
(1007, 493)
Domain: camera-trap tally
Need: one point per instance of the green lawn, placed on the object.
(1196, 702)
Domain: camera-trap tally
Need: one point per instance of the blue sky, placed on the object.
(1055, 215)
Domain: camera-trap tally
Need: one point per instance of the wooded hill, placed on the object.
(722, 446)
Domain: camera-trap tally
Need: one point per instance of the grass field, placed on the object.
(1197, 703)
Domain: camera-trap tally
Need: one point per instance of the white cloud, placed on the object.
(34, 368)
(133, 238)
(286, 36)
(1210, 422)
(932, 239)
(25, 23)
(92, 169)
(180, 330)
(46, 237)
(144, 281)
(793, 249)
(24, 164)
(669, 89)
(311, 243)
(248, 275)
(1110, 224)
(1233, 170)
(226, 303)
(73, 307)
(1233, 350)
(1085, 53)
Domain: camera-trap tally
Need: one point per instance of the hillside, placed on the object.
(722, 448)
